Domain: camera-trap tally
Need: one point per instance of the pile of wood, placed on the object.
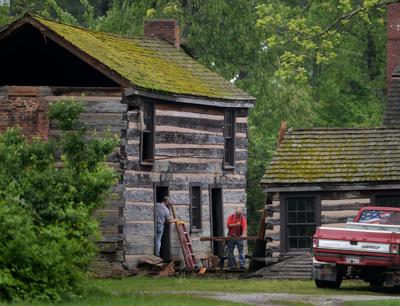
(155, 266)
(210, 262)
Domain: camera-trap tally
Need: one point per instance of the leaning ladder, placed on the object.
(186, 244)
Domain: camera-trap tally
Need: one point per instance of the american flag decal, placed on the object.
(370, 216)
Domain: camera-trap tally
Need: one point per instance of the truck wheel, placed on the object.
(328, 284)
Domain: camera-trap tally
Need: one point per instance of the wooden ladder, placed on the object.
(186, 244)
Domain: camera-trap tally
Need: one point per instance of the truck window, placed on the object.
(380, 217)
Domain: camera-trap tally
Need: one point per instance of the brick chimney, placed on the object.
(165, 29)
(393, 40)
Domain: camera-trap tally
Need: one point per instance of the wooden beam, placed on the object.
(332, 187)
(248, 238)
(282, 132)
(191, 100)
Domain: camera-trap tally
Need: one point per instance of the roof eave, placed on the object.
(207, 101)
(318, 187)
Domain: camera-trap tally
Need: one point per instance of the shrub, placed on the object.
(47, 232)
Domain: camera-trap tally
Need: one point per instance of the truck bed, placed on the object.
(358, 244)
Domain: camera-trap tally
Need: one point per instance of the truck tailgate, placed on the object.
(356, 246)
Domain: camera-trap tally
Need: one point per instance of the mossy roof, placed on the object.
(318, 156)
(148, 64)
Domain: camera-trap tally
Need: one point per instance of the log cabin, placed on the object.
(182, 127)
(323, 176)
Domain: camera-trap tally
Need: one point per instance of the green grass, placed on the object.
(135, 299)
(373, 303)
(148, 284)
(177, 291)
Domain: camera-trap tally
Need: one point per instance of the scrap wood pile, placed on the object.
(155, 266)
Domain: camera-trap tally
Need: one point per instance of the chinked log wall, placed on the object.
(189, 147)
(103, 113)
(336, 207)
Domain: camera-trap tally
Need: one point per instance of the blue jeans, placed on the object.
(159, 234)
(231, 256)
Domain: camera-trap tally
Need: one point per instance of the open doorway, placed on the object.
(217, 219)
(160, 191)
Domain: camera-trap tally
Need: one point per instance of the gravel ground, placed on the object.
(270, 299)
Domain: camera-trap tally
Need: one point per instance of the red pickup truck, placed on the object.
(367, 248)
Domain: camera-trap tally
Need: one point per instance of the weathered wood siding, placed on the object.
(336, 207)
(189, 148)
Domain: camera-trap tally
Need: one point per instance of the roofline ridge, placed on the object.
(343, 129)
(36, 17)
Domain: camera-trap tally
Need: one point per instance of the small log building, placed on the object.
(183, 128)
(323, 176)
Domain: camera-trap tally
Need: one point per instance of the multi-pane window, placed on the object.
(195, 207)
(147, 146)
(301, 222)
(229, 135)
(390, 200)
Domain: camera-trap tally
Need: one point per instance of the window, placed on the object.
(390, 200)
(147, 144)
(301, 221)
(195, 207)
(229, 135)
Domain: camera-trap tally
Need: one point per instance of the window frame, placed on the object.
(284, 231)
(193, 228)
(152, 132)
(230, 114)
(374, 196)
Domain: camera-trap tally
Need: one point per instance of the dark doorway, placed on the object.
(161, 191)
(217, 219)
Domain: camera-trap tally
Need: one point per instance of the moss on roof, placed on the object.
(149, 64)
(336, 156)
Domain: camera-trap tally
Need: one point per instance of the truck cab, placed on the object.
(366, 248)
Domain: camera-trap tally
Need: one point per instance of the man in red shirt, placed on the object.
(237, 227)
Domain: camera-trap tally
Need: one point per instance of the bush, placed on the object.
(47, 232)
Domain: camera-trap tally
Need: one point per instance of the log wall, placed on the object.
(189, 148)
(336, 208)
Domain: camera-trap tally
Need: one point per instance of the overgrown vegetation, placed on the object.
(311, 63)
(47, 232)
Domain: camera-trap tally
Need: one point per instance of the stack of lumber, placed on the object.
(156, 266)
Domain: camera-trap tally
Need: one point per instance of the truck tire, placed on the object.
(328, 284)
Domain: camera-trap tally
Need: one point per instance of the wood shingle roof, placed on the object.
(336, 156)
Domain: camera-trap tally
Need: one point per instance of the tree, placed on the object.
(47, 231)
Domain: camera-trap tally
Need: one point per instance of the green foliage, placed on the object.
(308, 32)
(4, 15)
(47, 232)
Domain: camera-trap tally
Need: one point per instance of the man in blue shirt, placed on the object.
(162, 216)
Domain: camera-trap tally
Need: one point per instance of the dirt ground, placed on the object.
(277, 299)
